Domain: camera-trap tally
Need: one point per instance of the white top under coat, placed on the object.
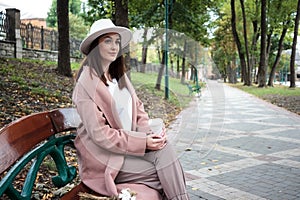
(123, 102)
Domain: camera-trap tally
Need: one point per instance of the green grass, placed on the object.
(178, 93)
(75, 66)
(276, 90)
(150, 78)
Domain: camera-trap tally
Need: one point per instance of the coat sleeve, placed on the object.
(97, 129)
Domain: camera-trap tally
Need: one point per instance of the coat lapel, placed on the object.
(99, 93)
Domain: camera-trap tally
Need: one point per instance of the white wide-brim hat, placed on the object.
(103, 26)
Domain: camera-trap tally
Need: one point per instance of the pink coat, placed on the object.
(101, 143)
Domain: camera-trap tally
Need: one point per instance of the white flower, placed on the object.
(126, 195)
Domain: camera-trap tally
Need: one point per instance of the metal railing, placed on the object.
(35, 37)
(3, 25)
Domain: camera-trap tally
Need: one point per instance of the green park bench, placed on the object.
(194, 89)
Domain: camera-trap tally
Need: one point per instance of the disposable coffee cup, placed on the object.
(156, 125)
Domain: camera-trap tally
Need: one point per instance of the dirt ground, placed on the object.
(291, 103)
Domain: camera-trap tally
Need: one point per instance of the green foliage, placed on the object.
(75, 7)
(223, 45)
(191, 17)
(51, 17)
(78, 29)
(97, 9)
(145, 13)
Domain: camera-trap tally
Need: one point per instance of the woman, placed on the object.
(115, 143)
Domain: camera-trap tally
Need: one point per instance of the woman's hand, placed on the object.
(156, 141)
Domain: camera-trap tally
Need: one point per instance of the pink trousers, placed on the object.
(160, 170)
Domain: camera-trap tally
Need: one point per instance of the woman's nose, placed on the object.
(114, 45)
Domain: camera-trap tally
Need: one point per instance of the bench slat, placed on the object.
(20, 136)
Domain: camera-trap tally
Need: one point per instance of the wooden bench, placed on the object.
(26, 142)
(29, 140)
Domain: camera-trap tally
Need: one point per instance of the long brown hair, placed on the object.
(93, 59)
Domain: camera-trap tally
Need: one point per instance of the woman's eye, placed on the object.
(107, 41)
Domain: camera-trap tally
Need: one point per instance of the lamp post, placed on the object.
(166, 50)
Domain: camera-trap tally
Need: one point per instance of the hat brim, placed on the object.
(125, 34)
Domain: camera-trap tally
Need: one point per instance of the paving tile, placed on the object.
(276, 182)
(259, 145)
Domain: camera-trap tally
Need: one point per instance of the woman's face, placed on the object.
(109, 46)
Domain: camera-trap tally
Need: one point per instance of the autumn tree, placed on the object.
(224, 50)
(280, 21)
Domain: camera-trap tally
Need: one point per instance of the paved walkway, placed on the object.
(233, 145)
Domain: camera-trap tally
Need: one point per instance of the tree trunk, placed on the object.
(121, 13)
(144, 51)
(121, 19)
(178, 66)
(293, 55)
(262, 70)
(254, 48)
(237, 40)
(172, 64)
(247, 77)
(268, 49)
(191, 74)
(161, 71)
(63, 64)
(183, 62)
(278, 56)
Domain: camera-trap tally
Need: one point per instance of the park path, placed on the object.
(233, 145)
